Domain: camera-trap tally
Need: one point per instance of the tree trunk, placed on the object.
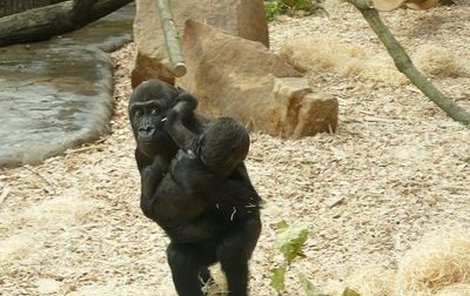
(43, 23)
(405, 65)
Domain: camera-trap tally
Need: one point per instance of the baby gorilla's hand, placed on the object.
(185, 105)
(170, 118)
(176, 115)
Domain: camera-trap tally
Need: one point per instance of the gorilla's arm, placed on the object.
(142, 160)
(151, 177)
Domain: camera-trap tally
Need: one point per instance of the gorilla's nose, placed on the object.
(146, 131)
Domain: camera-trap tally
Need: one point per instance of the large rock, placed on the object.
(236, 77)
(244, 18)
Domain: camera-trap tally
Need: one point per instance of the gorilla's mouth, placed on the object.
(145, 145)
(149, 143)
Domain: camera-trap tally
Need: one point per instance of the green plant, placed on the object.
(290, 240)
(273, 8)
(305, 5)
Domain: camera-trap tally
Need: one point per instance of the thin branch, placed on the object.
(405, 65)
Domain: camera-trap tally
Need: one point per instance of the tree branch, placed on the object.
(405, 65)
(172, 41)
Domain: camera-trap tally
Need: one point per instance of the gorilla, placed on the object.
(195, 186)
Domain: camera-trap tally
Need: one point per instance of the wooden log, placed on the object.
(8, 7)
(172, 41)
(45, 22)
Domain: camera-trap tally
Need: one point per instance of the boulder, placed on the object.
(235, 77)
(244, 18)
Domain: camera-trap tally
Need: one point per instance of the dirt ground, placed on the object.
(396, 169)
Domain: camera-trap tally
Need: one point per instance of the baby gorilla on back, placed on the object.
(195, 186)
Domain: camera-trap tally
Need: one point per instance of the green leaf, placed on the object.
(350, 292)
(309, 288)
(280, 225)
(278, 278)
(291, 240)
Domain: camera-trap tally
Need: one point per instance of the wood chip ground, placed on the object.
(396, 169)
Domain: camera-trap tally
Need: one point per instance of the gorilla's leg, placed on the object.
(205, 276)
(188, 263)
(234, 253)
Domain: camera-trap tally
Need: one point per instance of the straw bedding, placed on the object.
(396, 171)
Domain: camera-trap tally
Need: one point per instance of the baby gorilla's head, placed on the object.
(224, 145)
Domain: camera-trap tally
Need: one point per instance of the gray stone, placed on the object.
(235, 77)
(244, 18)
(57, 94)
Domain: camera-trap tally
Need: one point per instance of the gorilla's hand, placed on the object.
(183, 108)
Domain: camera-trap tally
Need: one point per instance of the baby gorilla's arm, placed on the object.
(185, 106)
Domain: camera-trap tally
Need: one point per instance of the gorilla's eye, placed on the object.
(154, 111)
(138, 112)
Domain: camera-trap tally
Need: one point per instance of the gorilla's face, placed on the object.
(148, 108)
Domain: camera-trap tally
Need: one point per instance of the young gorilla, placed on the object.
(195, 186)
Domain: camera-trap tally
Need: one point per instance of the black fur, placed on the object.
(195, 186)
